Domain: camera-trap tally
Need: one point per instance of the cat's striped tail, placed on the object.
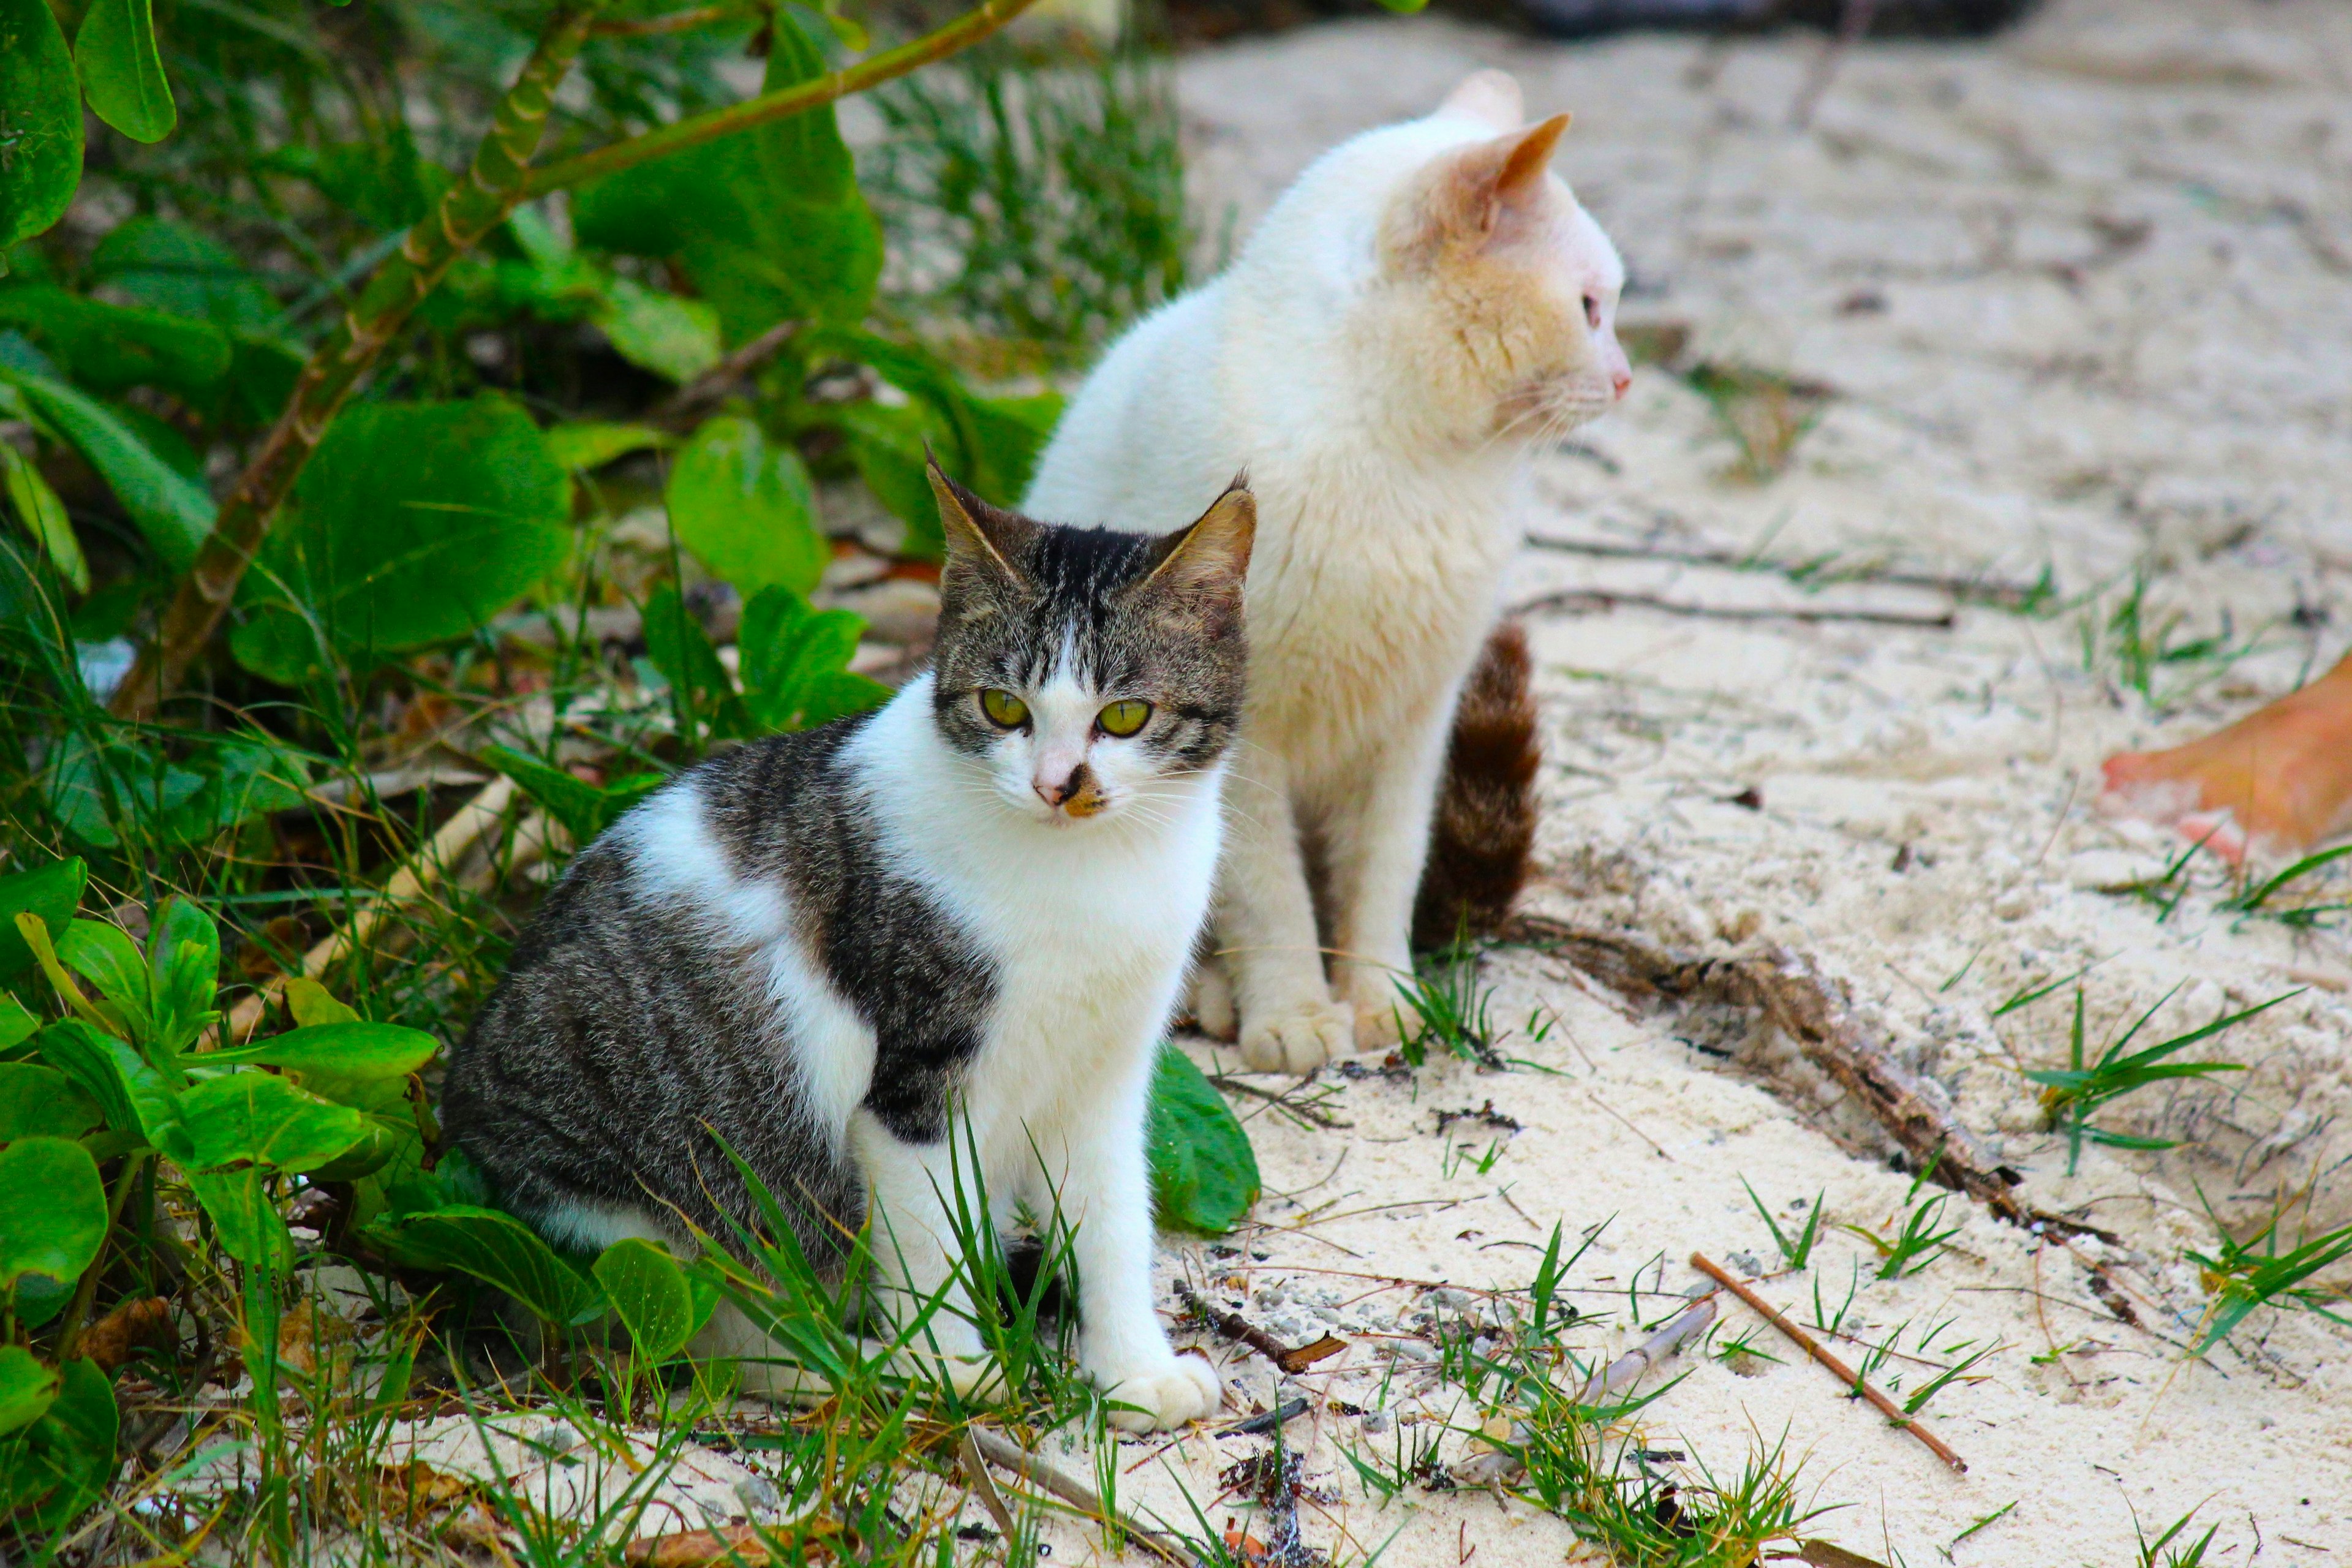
(1484, 831)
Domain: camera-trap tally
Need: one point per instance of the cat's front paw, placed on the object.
(1183, 1388)
(1380, 1018)
(1298, 1039)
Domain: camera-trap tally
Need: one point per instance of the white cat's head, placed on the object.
(1496, 288)
(1089, 672)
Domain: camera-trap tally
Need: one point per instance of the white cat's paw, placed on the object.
(1381, 1017)
(1213, 1002)
(1183, 1388)
(1298, 1039)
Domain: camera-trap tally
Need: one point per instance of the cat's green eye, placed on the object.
(1004, 709)
(1124, 719)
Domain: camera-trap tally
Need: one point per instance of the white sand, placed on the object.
(2041, 387)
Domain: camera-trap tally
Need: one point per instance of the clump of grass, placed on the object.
(1043, 200)
(2255, 899)
(2240, 1276)
(1794, 1250)
(2072, 1094)
(1917, 1244)
(1445, 1003)
(2142, 650)
(1765, 412)
(2188, 1554)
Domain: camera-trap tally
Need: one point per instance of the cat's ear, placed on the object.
(1491, 97)
(978, 535)
(1213, 556)
(1486, 191)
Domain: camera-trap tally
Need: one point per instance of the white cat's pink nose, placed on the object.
(1620, 381)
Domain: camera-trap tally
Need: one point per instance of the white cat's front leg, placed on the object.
(916, 1195)
(1106, 1192)
(1378, 840)
(1264, 926)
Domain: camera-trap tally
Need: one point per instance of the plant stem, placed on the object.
(470, 210)
(782, 104)
(86, 1292)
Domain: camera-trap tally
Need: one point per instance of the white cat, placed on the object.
(1426, 305)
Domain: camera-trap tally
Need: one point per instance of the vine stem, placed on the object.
(499, 182)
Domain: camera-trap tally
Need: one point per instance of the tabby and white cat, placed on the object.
(979, 899)
(1423, 307)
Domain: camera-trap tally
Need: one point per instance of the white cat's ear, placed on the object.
(977, 533)
(1214, 554)
(1480, 190)
(1490, 97)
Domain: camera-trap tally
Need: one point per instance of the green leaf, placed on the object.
(174, 268)
(417, 522)
(51, 891)
(377, 1145)
(52, 1211)
(58, 1465)
(500, 1248)
(345, 1050)
(109, 347)
(680, 649)
(584, 809)
(184, 957)
(27, 1388)
(121, 70)
(1204, 1172)
(261, 1119)
(18, 1022)
(245, 1216)
(745, 509)
(769, 224)
(656, 332)
(172, 512)
(792, 663)
(649, 1290)
(105, 955)
(40, 121)
(592, 444)
(312, 1003)
(37, 507)
(39, 1101)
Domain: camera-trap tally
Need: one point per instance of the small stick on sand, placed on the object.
(998, 1449)
(1608, 599)
(1844, 1374)
(1234, 1326)
(1621, 1373)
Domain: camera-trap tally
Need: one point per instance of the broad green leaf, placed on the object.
(656, 332)
(39, 1101)
(311, 1003)
(18, 1022)
(50, 891)
(744, 507)
(27, 1388)
(793, 662)
(261, 1119)
(417, 522)
(107, 348)
(174, 514)
(52, 1211)
(584, 809)
(592, 444)
(121, 70)
(82, 1054)
(40, 121)
(500, 1248)
(245, 1215)
(887, 443)
(680, 649)
(354, 1049)
(184, 958)
(43, 515)
(55, 1468)
(648, 1289)
(769, 224)
(171, 267)
(1204, 1172)
(105, 955)
(374, 1150)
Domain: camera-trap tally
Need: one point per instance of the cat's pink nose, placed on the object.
(1620, 381)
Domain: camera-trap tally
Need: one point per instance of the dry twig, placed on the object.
(1000, 1450)
(1844, 1374)
(1236, 1327)
(1968, 590)
(1609, 599)
(1690, 1322)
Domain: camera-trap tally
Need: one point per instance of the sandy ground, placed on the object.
(2082, 300)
